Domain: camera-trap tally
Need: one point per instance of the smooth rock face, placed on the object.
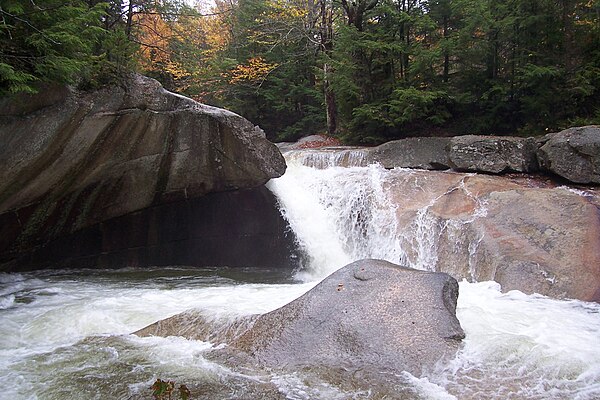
(422, 153)
(488, 154)
(70, 161)
(492, 154)
(573, 154)
(371, 316)
(525, 233)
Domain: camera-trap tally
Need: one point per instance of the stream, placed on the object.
(66, 334)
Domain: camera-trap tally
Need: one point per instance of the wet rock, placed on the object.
(573, 154)
(525, 233)
(71, 161)
(371, 316)
(542, 241)
(493, 154)
(422, 153)
(488, 154)
(241, 228)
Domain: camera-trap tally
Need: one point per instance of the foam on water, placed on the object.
(338, 214)
(328, 157)
(520, 346)
(67, 334)
(69, 326)
(517, 347)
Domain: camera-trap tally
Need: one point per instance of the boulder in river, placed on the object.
(573, 154)
(487, 154)
(493, 154)
(421, 153)
(371, 316)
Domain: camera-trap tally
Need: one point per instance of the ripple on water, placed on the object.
(75, 343)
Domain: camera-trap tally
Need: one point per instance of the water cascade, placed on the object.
(66, 334)
(345, 213)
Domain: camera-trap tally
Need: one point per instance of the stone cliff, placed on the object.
(93, 179)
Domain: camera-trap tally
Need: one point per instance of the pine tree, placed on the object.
(49, 40)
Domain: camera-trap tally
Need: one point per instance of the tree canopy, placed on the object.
(364, 70)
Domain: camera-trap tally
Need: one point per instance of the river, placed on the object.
(67, 334)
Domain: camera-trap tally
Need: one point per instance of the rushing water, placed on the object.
(66, 334)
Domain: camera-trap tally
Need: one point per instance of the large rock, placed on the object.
(493, 154)
(488, 154)
(525, 233)
(371, 317)
(421, 153)
(370, 314)
(71, 161)
(573, 154)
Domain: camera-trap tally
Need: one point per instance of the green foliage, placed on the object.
(46, 40)
(15, 81)
(285, 99)
(112, 61)
(395, 68)
(407, 105)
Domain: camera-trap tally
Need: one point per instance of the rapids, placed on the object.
(66, 334)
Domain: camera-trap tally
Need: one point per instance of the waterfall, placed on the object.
(329, 157)
(515, 347)
(66, 334)
(338, 214)
(343, 213)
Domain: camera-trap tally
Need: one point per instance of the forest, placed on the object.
(365, 71)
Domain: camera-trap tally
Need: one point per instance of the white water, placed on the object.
(343, 214)
(516, 347)
(339, 215)
(66, 334)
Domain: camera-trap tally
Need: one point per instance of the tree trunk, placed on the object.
(446, 56)
(330, 104)
(129, 19)
(326, 43)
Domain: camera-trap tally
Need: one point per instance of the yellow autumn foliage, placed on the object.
(255, 70)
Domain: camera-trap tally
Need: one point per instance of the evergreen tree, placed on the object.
(267, 71)
(49, 40)
(366, 70)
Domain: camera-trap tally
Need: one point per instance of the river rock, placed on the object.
(525, 233)
(493, 154)
(573, 154)
(72, 160)
(488, 154)
(422, 153)
(371, 315)
(310, 142)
